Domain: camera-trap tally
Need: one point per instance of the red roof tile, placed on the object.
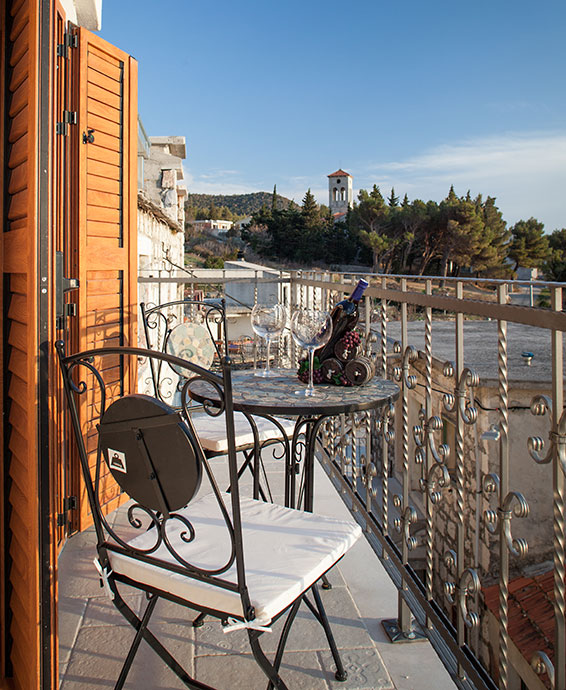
(340, 173)
(531, 614)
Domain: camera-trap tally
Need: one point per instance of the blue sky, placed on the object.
(411, 94)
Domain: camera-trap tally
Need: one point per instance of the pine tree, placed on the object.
(274, 198)
(392, 200)
(309, 210)
(529, 246)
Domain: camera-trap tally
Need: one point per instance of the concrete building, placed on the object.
(161, 214)
(215, 227)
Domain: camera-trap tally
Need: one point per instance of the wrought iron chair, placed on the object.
(166, 331)
(243, 561)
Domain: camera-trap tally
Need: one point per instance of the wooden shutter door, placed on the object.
(106, 242)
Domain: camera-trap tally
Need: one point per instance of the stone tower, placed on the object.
(340, 192)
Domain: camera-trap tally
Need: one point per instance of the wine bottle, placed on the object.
(344, 317)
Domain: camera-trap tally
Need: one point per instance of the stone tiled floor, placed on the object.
(94, 638)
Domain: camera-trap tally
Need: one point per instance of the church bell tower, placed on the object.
(340, 192)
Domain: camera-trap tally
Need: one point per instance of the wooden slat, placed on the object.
(18, 178)
(112, 57)
(18, 309)
(101, 124)
(100, 213)
(105, 67)
(19, 73)
(107, 156)
(104, 184)
(19, 98)
(98, 94)
(106, 141)
(18, 336)
(15, 255)
(105, 230)
(105, 199)
(18, 281)
(102, 109)
(20, 46)
(104, 82)
(104, 302)
(18, 205)
(19, 152)
(111, 172)
(107, 322)
(20, 19)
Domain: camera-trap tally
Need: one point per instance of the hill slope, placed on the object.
(238, 204)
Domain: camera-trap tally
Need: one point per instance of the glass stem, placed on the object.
(310, 389)
(267, 370)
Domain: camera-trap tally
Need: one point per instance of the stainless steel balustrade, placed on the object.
(401, 475)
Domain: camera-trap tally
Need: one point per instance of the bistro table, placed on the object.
(276, 395)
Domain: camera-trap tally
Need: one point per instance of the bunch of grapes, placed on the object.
(303, 372)
(344, 381)
(351, 340)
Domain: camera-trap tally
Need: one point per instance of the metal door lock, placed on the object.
(88, 136)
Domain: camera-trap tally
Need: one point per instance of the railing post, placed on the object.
(558, 469)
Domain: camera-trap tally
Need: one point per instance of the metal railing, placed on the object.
(441, 483)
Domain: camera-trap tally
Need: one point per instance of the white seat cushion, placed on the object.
(285, 552)
(212, 430)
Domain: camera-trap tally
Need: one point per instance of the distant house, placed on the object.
(215, 227)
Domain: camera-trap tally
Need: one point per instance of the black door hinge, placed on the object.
(70, 503)
(69, 118)
(69, 41)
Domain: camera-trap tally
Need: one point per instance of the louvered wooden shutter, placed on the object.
(107, 211)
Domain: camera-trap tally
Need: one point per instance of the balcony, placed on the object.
(460, 490)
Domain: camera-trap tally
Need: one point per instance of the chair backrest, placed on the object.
(194, 330)
(153, 453)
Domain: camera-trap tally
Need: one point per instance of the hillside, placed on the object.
(238, 204)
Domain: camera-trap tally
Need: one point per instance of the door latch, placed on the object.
(88, 136)
(63, 285)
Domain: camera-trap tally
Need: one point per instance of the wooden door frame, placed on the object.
(47, 542)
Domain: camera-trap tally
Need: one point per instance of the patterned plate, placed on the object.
(192, 342)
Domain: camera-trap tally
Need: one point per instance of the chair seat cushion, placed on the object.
(285, 552)
(212, 430)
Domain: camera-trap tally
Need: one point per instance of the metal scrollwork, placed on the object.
(369, 472)
(468, 379)
(423, 435)
(438, 476)
(404, 522)
(540, 405)
(540, 663)
(514, 504)
(457, 593)
(401, 373)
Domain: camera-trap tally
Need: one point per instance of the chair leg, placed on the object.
(140, 627)
(283, 638)
(153, 642)
(263, 662)
(199, 620)
(322, 618)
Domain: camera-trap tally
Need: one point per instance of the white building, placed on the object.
(340, 193)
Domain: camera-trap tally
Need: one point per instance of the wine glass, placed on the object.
(311, 329)
(268, 321)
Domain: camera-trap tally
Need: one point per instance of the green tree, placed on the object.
(369, 222)
(529, 244)
(555, 266)
(392, 200)
(274, 198)
(309, 210)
